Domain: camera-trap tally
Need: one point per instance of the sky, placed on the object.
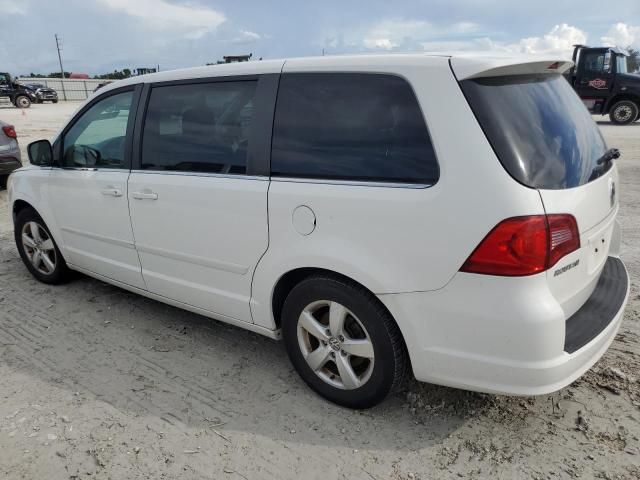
(99, 36)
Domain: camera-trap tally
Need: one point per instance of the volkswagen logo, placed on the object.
(334, 343)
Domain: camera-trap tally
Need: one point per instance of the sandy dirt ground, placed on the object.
(96, 382)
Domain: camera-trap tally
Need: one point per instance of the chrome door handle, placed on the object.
(113, 192)
(146, 195)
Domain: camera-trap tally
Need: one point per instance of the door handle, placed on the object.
(111, 191)
(145, 195)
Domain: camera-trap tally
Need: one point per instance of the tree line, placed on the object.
(115, 75)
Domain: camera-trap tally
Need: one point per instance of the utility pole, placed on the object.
(64, 93)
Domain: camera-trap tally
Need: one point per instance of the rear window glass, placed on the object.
(539, 128)
(350, 126)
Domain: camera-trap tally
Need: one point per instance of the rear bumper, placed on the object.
(8, 164)
(508, 336)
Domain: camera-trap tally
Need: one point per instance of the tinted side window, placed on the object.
(200, 127)
(351, 126)
(97, 139)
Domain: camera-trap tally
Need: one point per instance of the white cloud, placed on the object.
(192, 19)
(12, 7)
(465, 27)
(379, 43)
(246, 37)
(558, 42)
(392, 33)
(622, 35)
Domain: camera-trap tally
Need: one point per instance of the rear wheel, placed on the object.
(624, 112)
(38, 250)
(23, 102)
(342, 341)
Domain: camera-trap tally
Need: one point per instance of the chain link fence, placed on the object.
(68, 89)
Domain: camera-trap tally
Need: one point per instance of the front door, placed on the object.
(595, 78)
(199, 212)
(88, 191)
(5, 85)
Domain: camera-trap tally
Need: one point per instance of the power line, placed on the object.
(58, 47)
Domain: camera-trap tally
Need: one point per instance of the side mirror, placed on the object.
(40, 153)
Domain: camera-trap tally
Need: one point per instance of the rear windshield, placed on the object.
(539, 128)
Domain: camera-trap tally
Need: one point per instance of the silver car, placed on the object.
(9, 152)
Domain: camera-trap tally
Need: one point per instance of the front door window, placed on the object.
(97, 139)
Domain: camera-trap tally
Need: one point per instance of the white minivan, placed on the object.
(450, 216)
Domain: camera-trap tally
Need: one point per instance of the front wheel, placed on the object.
(343, 342)
(624, 112)
(38, 250)
(23, 102)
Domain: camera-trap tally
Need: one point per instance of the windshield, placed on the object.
(621, 63)
(539, 128)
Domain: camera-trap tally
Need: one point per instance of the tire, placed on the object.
(27, 224)
(340, 373)
(3, 181)
(624, 112)
(55, 101)
(23, 101)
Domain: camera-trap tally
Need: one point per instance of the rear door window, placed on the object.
(539, 128)
(349, 126)
(202, 127)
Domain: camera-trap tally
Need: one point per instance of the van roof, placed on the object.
(465, 65)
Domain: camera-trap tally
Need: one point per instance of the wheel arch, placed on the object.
(293, 277)
(635, 98)
(20, 205)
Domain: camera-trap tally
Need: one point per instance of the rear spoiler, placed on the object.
(466, 68)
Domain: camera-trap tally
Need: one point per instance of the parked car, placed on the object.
(9, 152)
(43, 93)
(469, 236)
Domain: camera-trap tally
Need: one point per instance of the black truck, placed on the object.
(19, 95)
(601, 79)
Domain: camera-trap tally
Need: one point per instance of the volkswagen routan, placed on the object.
(449, 217)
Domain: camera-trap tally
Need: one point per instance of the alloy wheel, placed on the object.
(335, 344)
(39, 248)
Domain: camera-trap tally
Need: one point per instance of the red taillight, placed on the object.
(10, 131)
(524, 245)
(565, 237)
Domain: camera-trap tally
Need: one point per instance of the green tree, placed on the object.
(115, 75)
(57, 75)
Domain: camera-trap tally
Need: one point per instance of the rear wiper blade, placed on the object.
(608, 156)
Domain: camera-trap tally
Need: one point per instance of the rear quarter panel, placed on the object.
(390, 239)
